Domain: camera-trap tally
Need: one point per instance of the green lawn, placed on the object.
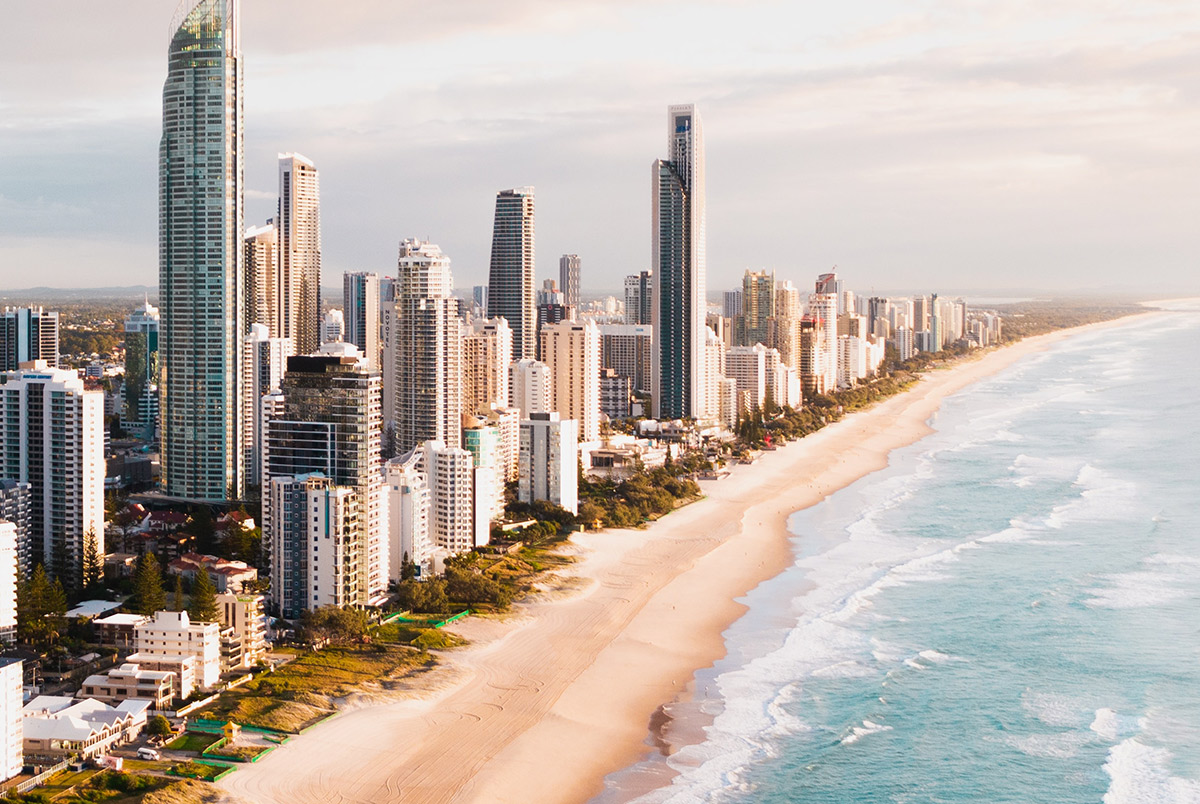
(193, 741)
(199, 770)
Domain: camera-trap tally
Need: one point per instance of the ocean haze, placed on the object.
(1046, 146)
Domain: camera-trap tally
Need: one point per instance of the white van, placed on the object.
(148, 753)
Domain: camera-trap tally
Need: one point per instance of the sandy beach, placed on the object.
(545, 704)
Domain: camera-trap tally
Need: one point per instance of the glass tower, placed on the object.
(200, 254)
(510, 280)
(678, 308)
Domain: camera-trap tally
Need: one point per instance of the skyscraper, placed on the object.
(486, 355)
(200, 275)
(758, 305)
(678, 263)
(331, 424)
(28, 333)
(361, 310)
(568, 279)
(510, 280)
(638, 297)
(52, 437)
(299, 223)
(428, 403)
(572, 351)
(139, 414)
(263, 303)
(264, 364)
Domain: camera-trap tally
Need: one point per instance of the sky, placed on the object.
(1032, 145)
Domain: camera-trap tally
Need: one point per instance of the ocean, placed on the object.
(1010, 612)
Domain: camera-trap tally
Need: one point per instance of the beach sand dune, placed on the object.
(565, 693)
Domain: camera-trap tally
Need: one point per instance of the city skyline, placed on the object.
(1041, 148)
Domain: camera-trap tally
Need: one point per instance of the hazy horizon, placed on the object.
(1046, 147)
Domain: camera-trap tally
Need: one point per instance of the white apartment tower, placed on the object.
(264, 303)
(28, 333)
(9, 567)
(409, 508)
(12, 674)
(549, 464)
(333, 327)
(572, 351)
(52, 437)
(529, 387)
(428, 403)
(299, 222)
(450, 472)
(201, 258)
(568, 279)
(264, 364)
(678, 263)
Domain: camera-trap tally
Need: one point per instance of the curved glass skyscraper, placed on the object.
(200, 276)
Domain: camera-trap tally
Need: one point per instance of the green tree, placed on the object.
(40, 609)
(148, 594)
(333, 625)
(204, 598)
(93, 563)
(178, 602)
(158, 726)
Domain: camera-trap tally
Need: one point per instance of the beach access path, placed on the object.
(564, 694)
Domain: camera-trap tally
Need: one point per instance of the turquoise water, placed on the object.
(1009, 613)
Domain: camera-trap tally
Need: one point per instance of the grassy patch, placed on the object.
(417, 636)
(185, 791)
(242, 752)
(193, 741)
(300, 693)
(198, 770)
(92, 787)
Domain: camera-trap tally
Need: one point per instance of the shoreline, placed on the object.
(545, 705)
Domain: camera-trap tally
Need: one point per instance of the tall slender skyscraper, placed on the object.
(360, 295)
(678, 265)
(568, 279)
(510, 281)
(428, 403)
(263, 303)
(139, 414)
(299, 223)
(200, 275)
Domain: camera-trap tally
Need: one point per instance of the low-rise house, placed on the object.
(182, 667)
(131, 682)
(242, 615)
(56, 727)
(163, 521)
(119, 565)
(118, 630)
(234, 520)
(227, 575)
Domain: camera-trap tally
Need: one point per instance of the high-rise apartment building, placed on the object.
(678, 262)
(628, 349)
(52, 437)
(9, 576)
(264, 364)
(758, 306)
(28, 333)
(572, 351)
(428, 403)
(360, 308)
(529, 387)
(388, 287)
(511, 277)
(549, 465)
(333, 327)
(201, 255)
(12, 716)
(568, 279)
(451, 476)
(409, 509)
(314, 536)
(139, 413)
(639, 296)
(331, 424)
(14, 509)
(486, 355)
(299, 222)
(822, 307)
(264, 302)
